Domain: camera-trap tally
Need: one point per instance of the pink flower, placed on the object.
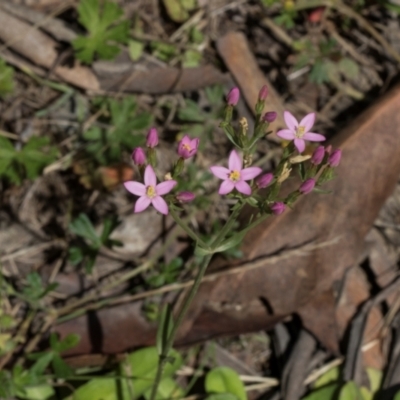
(234, 177)
(262, 95)
(299, 132)
(152, 138)
(233, 96)
(138, 156)
(185, 197)
(307, 186)
(334, 158)
(150, 192)
(278, 208)
(188, 147)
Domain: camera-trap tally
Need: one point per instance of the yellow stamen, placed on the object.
(234, 176)
(300, 131)
(187, 147)
(151, 191)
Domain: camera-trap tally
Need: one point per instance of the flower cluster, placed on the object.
(241, 180)
(150, 192)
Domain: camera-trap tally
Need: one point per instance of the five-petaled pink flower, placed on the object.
(299, 132)
(234, 177)
(188, 147)
(150, 192)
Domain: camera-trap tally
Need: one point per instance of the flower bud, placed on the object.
(138, 156)
(152, 138)
(233, 96)
(318, 155)
(278, 208)
(334, 158)
(188, 147)
(185, 197)
(307, 186)
(263, 93)
(270, 116)
(264, 180)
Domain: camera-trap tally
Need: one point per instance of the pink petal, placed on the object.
(141, 204)
(286, 134)
(226, 187)
(300, 144)
(308, 121)
(250, 173)
(220, 172)
(150, 178)
(314, 137)
(235, 162)
(136, 188)
(165, 187)
(160, 205)
(194, 144)
(290, 120)
(243, 187)
(186, 140)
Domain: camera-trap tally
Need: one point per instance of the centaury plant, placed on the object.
(244, 184)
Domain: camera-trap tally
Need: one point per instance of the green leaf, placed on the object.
(350, 391)
(6, 79)
(225, 380)
(167, 389)
(176, 10)
(375, 379)
(135, 49)
(163, 51)
(82, 226)
(327, 392)
(222, 396)
(191, 112)
(94, 133)
(103, 30)
(349, 68)
(397, 396)
(41, 364)
(366, 393)
(75, 255)
(191, 58)
(97, 389)
(319, 73)
(214, 94)
(330, 376)
(39, 392)
(70, 341)
(230, 242)
(61, 369)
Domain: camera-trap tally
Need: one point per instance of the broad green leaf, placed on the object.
(375, 379)
(330, 376)
(225, 380)
(222, 396)
(40, 392)
(97, 389)
(328, 392)
(366, 393)
(397, 396)
(167, 389)
(103, 32)
(135, 49)
(350, 391)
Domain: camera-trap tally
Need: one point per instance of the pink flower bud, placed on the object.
(185, 197)
(264, 180)
(278, 208)
(233, 96)
(188, 147)
(318, 155)
(334, 158)
(307, 186)
(152, 138)
(270, 116)
(138, 156)
(263, 93)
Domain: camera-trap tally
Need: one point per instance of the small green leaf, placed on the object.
(70, 341)
(176, 10)
(191, 112)
(82, 226)
(41, 364)
(222, 396)
(104, 33)
(167, 389)
(350, 391)
(319, 73)
(39, 392)
(397, 396)
(349, 68)
(191, 59)
(225, 380)
(375, 379)
(6, 79)
(327, 392)
(230, 242)
(330, 376)
(135, 49)
(61, 368)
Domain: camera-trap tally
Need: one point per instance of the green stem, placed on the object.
(186, 228)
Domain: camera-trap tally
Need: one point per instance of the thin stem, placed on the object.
(186, 228)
